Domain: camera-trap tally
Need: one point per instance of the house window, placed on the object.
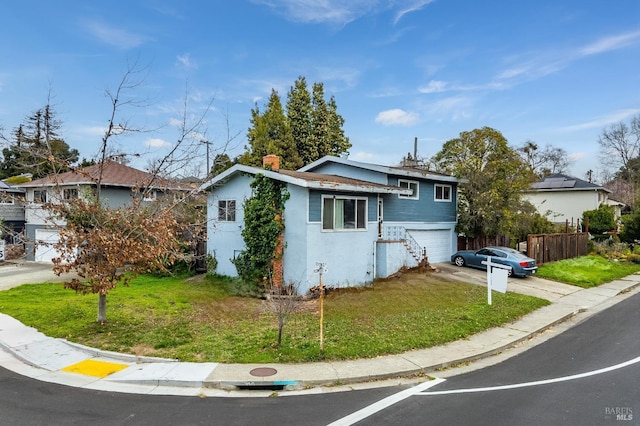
(226, 210)
(149, 195)
(6, 198)
(40, 196)
(344, 213)
(410, 184)
(70, 194)
(442, 192)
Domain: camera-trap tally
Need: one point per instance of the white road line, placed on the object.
(536, 383)
(384, 403)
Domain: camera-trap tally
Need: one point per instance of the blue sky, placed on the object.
(554, 72)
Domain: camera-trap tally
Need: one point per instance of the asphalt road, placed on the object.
(578, 377)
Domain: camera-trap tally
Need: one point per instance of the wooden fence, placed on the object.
(546, 248)
(475, 243)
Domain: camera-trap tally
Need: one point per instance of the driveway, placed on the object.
(532, 286)
(13, 274)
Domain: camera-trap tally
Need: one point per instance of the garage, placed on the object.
(437, 243)
(45, 239)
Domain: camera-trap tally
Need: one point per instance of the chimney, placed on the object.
(272, 161)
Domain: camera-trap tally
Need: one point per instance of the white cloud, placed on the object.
(339, 12)
(185, 61)
(614, 117)
(397, 117)
(363, 156)
(607, 44)
(117, 37)
(434, 86)
(156, 143)
(410, 6)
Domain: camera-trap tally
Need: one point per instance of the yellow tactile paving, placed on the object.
(92, 367)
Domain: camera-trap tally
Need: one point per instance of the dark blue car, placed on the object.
(521, 265)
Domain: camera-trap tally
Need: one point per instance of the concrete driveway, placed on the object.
(13, 274)
(532, 286)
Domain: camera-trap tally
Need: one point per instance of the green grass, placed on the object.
(199, 320)
(587, 271)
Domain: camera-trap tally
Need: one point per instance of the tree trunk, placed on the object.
(102, 308)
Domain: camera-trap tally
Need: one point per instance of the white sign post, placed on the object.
(496, 278)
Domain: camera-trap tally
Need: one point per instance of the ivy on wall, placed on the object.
(263, 224)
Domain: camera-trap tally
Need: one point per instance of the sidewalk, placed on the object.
(31, 353)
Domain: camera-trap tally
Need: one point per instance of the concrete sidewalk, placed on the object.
(31, 353)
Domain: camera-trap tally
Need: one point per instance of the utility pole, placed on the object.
(207, 143)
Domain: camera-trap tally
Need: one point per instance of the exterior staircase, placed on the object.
(400, 233)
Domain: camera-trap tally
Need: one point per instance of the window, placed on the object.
(227, 210)
(40, 196)
(70, 194)
(412, 185)
(443, 192)
(6, 198)
(343, 213)
(149, 195)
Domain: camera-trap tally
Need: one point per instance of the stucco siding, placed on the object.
(224, 239)
(563, 206)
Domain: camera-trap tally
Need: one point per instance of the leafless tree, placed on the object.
(545, 161)
(620, 143)
(283, 300)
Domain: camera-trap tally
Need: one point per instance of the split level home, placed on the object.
(359, 220)
(562, 198)
(119, 184)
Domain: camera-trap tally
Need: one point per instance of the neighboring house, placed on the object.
(361, 220)
(118, 185)
(12, 216)
(561, 198)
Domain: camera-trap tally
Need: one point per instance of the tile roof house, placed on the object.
(561, 198)
(360, 220)
(118, 185)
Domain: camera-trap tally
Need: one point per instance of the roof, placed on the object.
(309, 180)
(113, 174)
(9, 188)
(561, 182)
(390, 170)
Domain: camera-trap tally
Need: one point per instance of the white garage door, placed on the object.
(437, 242)
(45, 238)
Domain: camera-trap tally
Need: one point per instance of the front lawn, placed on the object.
(199, 320)
(587, 271)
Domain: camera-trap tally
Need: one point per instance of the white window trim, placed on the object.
(235, 210)
(149, 195)
(345, 197)
(409, 183)
(7, 198)
(39, 201)
(442, 200)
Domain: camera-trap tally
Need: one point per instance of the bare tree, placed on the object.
(620, 143)
(109, 246)
(545, 161)
(283, 300)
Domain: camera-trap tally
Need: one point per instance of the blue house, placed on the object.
(363, 221)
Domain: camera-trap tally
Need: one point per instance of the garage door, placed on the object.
(437, 242)
(45, 238)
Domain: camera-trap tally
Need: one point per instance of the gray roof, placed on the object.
(309, 180)
(561, 182)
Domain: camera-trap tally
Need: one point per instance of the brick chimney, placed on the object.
(271, 160)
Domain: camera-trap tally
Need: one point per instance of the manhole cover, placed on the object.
(263, 372)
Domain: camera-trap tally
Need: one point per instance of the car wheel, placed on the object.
(459, 261)
(510, 273)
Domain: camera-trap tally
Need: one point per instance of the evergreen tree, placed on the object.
(270, 134)
(310, 129)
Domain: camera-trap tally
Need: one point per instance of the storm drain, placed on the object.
(275, 385)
